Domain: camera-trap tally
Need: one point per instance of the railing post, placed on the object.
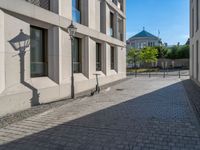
(164, 71)
(136, 72)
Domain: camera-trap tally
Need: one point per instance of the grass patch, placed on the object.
(143, 70)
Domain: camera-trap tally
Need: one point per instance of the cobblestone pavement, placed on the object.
(15, 117)
(140, 113)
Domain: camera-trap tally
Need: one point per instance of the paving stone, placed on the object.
(149, 113)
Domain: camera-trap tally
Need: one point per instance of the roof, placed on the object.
(144, 34)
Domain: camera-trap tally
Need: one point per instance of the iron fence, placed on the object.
(150, 72)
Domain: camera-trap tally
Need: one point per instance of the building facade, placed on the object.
(194, 41)
(35, 49)
(143, 39)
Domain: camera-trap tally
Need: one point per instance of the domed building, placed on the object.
(143, 39)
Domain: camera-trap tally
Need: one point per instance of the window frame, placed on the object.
(112, 57)
(98, 53)
(79, 55)
(45, 52)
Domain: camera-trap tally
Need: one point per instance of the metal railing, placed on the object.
(41, 3)
(158, 72)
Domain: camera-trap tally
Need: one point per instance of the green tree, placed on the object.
(172, 52)
(162, 51)
(183, 52)
(178, 52)
(149, 54)
(133, 56)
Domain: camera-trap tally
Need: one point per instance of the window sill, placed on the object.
(42, 82)
(113, 72)
(79, 77)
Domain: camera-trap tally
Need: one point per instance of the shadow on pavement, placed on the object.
(158, 120)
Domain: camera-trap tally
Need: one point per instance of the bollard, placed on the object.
(164, 74)
(136, 72)
(179, 73)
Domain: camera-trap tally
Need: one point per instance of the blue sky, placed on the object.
(171, 17)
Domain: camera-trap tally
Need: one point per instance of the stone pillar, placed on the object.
(92, 14)
(2, 52)
(85, 12)
(97, 16)
(65, 56)
(124, 6)
(105, 18)
(88, 57)
(124, 30)
(53, 54)
(106, 58)
(65, 8)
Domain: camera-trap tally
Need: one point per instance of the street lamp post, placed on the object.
(72, 31)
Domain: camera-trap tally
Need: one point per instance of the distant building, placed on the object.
(143, 39)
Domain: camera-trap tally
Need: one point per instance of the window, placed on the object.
(112, 58)
(133, 44)
(111, 24)
(197, 15)
(76, 14)
(38, 52)
(98, 57)
(77, 54)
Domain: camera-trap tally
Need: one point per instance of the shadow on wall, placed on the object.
(20, 43)
(149, 117)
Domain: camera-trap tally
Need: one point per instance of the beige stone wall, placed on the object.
(174, 63)
(16, 96)
(2, 52)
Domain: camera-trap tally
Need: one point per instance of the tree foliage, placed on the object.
(149, 54)
(133, 56)
(162, 51)
(178, 52)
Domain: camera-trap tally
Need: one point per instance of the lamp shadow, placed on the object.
(20, 43)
